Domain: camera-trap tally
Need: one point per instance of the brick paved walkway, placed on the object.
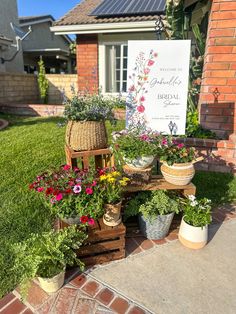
(82, 294)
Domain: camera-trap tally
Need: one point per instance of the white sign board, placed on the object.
(158, 74)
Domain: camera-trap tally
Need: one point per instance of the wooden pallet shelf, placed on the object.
(157, 182)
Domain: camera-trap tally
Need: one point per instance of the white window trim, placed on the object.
(102, 63)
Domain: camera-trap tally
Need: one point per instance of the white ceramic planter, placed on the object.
(193, 237)
(140, 162)
(178, 174)
(51, 285)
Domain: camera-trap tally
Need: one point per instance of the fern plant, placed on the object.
(152, 203)
(43, 82)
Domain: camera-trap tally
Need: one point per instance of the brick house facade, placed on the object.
(218, 92)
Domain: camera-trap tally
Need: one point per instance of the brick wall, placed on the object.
(220, 57)
(18, 88)
(87, 62)
(59, 84)
(23, 88)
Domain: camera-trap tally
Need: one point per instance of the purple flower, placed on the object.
(77, 189)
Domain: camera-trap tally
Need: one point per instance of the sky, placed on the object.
(56, 8)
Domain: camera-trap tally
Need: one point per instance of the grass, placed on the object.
(29, 146)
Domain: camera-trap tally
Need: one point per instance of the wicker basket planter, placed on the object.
(112, 217)
(86, 135)
(158, 228)
(193, 237)
(52, 285)
(178, 174)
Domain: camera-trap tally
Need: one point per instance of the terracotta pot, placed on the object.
(139, 163)
(112, 214)
(51, 285)
(193, 237)
(178, 174)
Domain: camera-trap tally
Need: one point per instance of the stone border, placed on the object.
(3, 124)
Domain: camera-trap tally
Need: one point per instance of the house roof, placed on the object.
(34, 19)
(79, 15)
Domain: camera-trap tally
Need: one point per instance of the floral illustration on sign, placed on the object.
(138, 89)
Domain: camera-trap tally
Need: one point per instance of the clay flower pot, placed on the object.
(112, 217)
(52, 285)
(193, 237)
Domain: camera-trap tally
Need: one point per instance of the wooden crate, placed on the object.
(104, 244)
(159, 183)
(102, 157)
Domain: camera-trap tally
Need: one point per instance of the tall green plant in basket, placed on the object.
(42, 82)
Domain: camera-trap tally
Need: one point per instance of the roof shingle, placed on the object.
(80, 15)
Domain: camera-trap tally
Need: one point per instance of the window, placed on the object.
(116, 62)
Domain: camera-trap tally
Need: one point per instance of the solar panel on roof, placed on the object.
(127, 7)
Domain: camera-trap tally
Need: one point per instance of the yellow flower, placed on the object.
(111, 180)
(103, 177)
(124, 182)
(116, 173)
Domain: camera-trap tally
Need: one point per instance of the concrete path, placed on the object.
(171, 279)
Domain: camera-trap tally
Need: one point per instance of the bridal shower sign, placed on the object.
(158, 73)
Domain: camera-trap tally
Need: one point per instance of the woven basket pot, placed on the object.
(86, 135)
(156, 229)
(51, 285)
(178, 174)
(112, 214)
(193, 237)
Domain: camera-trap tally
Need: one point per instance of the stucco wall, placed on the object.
(8, 14)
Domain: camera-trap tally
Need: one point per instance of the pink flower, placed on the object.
(175, 142)
(89, 191)
(66, 167)
(142, 98)
(53, 200)
(164, 141)
(146, 71)
(181, 145)
(77, 189)
(59, 197)
(40, 189)
(91, 221)
(132, 88)
(94, 183)
(155, 55)
(141, 108)
(76, 169)
(144, 137)
(150, 63)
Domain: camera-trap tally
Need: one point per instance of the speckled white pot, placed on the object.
(141, 162)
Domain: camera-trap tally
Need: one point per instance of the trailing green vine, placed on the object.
(43, 82)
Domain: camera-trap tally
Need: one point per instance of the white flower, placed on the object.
(191, 197)
(194, 203)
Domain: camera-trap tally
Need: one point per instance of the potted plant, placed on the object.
(73, 195)
(86, 115)
(156, 210)
(111, 184)
(177, 162)
(193, 232)
(137, 148)
(46, 256)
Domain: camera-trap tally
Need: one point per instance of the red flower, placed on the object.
(49, 191)
(66, 167)
(31, 186)
(150, 63)
(84, 219)
(101, 172)
(181, 145)
(59, 197)
(94, 183)
(142, 98)
(89, 191)
(40, 189)
(141, 108)
(68, 191)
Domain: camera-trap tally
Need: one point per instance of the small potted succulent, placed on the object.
(177, 161)
(46, 256)
(86, 115)
(156, 210)
(111, 184)
(73, 195)
(193, 232)
(137, 148)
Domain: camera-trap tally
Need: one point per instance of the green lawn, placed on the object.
(29, 146)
